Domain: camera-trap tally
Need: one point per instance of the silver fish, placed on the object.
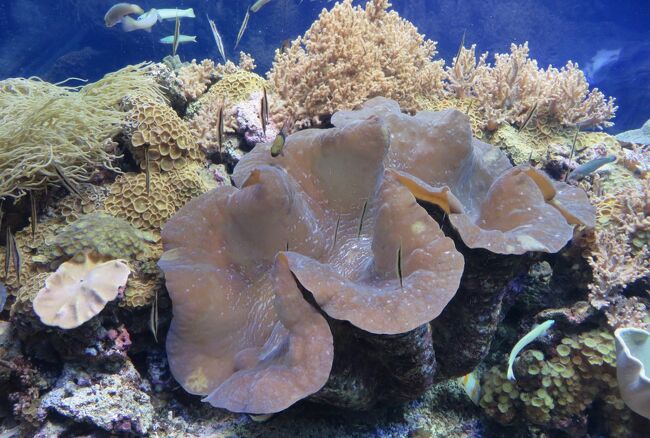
(177, 33)
(258, 5)
(590, 167)
(217, 39)
(363, 213)
(242, 29)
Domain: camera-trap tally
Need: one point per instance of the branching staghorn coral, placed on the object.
(349, 55)
(42, 124)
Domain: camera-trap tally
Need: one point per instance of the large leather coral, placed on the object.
(335, 217)
(242, 334)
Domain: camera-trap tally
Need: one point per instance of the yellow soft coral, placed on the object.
(349, 55)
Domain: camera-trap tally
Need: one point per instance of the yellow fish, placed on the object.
(472, 386)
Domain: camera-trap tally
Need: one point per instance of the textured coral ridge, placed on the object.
(242, 331)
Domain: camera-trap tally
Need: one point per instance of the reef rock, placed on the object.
(113, 402)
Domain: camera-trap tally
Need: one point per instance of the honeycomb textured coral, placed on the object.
(165, 135)
(236, 87)
(553, 390)
(169, 191)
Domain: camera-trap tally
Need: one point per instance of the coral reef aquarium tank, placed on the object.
(303, 218)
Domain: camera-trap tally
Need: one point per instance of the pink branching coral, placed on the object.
(349, 55)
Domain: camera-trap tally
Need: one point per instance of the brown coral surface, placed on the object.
(356, 238)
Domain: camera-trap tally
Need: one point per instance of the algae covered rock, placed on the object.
(111, 401)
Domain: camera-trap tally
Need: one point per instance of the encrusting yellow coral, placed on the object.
(165, 136)
(349, 55)
(556, 390)
(78, 291)
(169, 192)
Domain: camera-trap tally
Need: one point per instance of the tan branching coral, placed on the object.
(76, 292)
(509, 90)
(619, 253)
(159, 131)
(195, 78)
(349, 55)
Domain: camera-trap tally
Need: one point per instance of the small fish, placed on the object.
(153, 317)
(220, 127)
(119, 11)
(67, 183)
(15, 253)
(144, 22)
(7, 253)
(264, 110)
(399, 266)
(280, 140)
(285, 46)
(177, 34)
(529, 117)
(590, 167)
(261, 418)
(336, 230)
(217, 39)
(287, 246)
(472, 386)
(535, 333)
(32, 202)
(573, 148)
(3, 296)
(258, 5)
(242, 29)
(181, 39)
(171, 14)
(460, 48)
(147, 169)
(363, 213)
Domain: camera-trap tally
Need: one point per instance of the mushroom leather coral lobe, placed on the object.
(242, 333)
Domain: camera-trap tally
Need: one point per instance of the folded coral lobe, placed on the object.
(492, 205)
(228, 340)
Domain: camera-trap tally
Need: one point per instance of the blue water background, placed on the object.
(57, 39)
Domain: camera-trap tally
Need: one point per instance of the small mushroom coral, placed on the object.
(77, 292)
(326, 213)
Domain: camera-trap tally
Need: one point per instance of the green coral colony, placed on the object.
(419, 218)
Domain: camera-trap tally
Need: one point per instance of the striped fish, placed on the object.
(243, 27)
(472, 386)
(217, 39)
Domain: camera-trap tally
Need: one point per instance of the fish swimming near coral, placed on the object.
(535, 333)
(472, 386)
(181, 39)
(217, 38)
(278, 144)
(171, 14)
(118, 11)
(590, 167)
(34, 218)
(258, 5)
(177, 34)
(242, 29)
(264, 110)
(144, 22)
(3, 296)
